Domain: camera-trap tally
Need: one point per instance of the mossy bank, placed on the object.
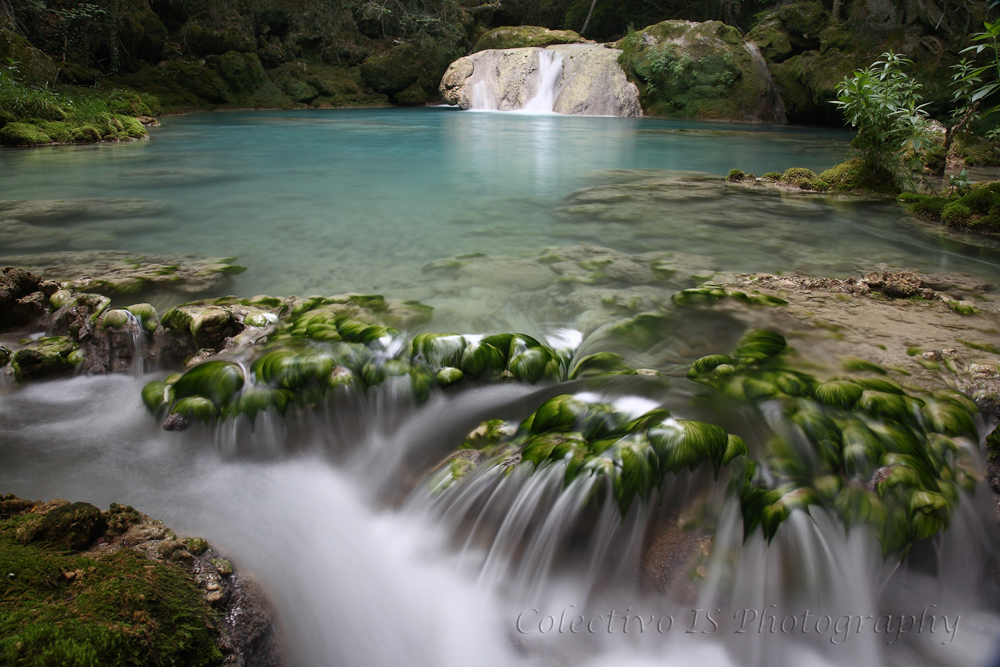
(83, 587)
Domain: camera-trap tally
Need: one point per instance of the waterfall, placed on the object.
(481, 99)
(548, 78)
(574, 79)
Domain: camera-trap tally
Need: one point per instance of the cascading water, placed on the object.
(542, 82)
(547, 80)
(383, 538)
(493, 568)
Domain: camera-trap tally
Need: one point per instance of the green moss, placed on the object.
(799, 177)
(123, 609)
(700, 70)
(771, 176)
(59, 131)
(854, 177)
(516, 37)
(735, 175)
(23, 134)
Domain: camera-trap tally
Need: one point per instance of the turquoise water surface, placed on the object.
(362, 200)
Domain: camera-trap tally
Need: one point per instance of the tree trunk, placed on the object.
(589, 13)
(836, 11)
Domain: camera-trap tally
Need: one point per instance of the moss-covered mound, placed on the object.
(34, 114)
(864, 447)
(319, 350)
(978, 210)
(976, 151)
(698, 70)
(851, 177)
(517, 37)
(855, 177)
(60, 605)
(632, 453)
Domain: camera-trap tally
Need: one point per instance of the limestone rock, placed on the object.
(111, 272)
(591, 81)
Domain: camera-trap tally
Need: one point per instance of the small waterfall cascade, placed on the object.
(542, 83)
(548, 78)
(572, 79)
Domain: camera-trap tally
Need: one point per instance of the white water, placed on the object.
(548, 78)
(361, 578)
(545, 80)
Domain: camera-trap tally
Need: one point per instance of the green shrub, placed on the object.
(882, 103)
(735, 175)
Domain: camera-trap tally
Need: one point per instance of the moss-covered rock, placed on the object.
(140, 597)
(809, 56)
(246, 80)
(33, 65)
(865, 448)
(789, 30)
(976, 151)
(46, 356)
(517, 37)
(631, 453)
(978, 210)
(74, 526)
(699, 70)
(855, 177)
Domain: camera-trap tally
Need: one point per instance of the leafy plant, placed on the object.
(960, 183)
(883, 102)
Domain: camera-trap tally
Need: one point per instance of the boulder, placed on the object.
(49, 355)
(700, 70)
(23, 298)
(590, 81)
(74, 525)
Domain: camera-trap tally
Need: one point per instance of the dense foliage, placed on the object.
(883, 103)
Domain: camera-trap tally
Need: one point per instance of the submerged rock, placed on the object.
(584, 80)
(112, 272)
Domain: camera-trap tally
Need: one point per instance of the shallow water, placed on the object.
(361, 200)
(365, 566)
